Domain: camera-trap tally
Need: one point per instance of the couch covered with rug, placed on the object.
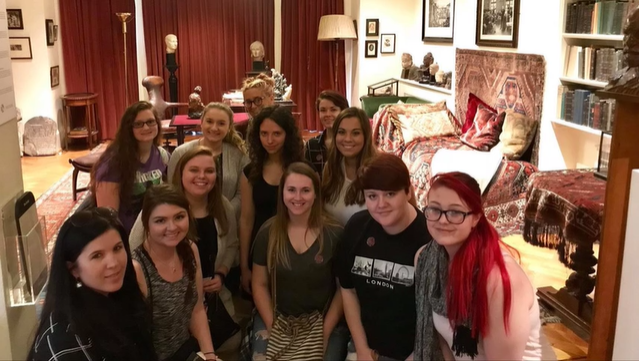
(498, 110)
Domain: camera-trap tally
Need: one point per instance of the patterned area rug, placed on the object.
(56, 204)
(503, 80)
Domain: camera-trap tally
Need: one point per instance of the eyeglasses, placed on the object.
(140, 124)
(256, 101)
(452, 216)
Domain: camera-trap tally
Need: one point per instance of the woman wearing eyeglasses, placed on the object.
(170, 276)
(473, 299)
(219, 135)
(132, 162)
(376, 268)
(258, 93)
(94, 309)
(274, 143)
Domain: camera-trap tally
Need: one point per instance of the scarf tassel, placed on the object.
(464, 343)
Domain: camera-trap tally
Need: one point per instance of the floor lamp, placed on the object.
(335, 28)
(125, 18)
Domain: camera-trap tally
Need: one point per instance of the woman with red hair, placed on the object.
(473, 300)
(376, 262)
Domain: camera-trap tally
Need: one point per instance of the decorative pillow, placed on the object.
(416, 122)
(472, 108)
(485, 132)
(517, 133)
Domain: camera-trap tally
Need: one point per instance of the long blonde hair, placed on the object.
(232, 136)
(214, 198)
(277, 251)
(332, 175)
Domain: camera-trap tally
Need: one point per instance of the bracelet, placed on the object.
(222, 276)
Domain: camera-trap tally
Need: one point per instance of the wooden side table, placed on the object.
(90, 129)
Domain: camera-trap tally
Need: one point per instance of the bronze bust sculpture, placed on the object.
(409, 70)
(195, 103)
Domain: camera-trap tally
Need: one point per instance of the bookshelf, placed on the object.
(583, 82)
(586, 129)
(602, 37)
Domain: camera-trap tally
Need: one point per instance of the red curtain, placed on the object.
(92, 50)
(308, 64)
(213, 41)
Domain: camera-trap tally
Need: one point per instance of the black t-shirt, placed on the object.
(310, 283)
(380, 268)
(265, 203)
(207, 244)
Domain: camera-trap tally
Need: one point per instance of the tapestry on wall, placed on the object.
(506, 80)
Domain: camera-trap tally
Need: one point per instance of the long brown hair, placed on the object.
(332, 176)
(214, 198)
(122, 153)
(160, 194)
(278, 231)
(232, 136)
(292, 150)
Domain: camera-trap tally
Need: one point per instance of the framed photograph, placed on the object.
(373, 26)
(387, 43)
(20, 48)
(371, 49)
(50, 32)
(14, 19)
(497, 23)
(437, 21)
(55, 76)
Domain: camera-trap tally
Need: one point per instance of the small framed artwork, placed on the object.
(497, 23)
(50, 32)
(14, 19)
(372, 27)
(55, 76)
(387, 43)
(437, 21)
(371, 48)
(20, 48)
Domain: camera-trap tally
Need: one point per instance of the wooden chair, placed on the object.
(153, 84)
(85, 164)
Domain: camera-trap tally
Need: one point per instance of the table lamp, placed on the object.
(335, 28)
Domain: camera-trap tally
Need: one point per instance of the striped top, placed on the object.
(171, 313)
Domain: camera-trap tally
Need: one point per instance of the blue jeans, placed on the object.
(336, 348)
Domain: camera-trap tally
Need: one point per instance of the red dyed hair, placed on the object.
(470, 268)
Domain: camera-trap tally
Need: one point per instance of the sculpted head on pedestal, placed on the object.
(171, 41)
(257, 51)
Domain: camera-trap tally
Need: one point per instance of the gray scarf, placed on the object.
(431, 296)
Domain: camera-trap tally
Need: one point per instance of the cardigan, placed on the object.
(233, 161)
(227, 247)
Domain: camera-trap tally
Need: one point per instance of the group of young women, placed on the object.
(326, 237)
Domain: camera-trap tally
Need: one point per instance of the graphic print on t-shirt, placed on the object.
(383, 270)
(362, 266)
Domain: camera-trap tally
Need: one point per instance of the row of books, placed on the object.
(584, 108)
(600, 64)
(598, 16)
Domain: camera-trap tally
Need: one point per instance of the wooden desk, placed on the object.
(239, 108)
(90, 129)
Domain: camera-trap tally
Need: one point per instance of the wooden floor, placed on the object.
(541, 264)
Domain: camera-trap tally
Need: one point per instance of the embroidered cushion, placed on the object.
(485, 131)
(415, 121)
(472, 108)
(517, 134)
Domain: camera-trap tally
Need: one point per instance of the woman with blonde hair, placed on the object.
(294, 285)
(257, 93)
(352, 146)
(219, 135)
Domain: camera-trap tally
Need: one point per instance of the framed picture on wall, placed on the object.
(497, 23)
(437, 21)
(371, 49)
(387, 43)
(48, 23)
(20, 48)
(55, 76)
(14, 19)
(372, 27)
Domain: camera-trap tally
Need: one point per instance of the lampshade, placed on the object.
(333, 27)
